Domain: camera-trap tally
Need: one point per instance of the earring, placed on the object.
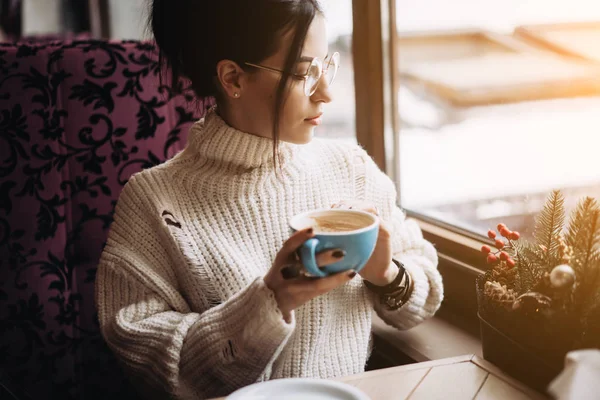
(236, 95)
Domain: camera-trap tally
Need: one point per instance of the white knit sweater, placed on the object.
(179, 290)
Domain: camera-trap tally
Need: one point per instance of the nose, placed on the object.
(323, 92)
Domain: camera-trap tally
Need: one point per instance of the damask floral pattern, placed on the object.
(76, 120)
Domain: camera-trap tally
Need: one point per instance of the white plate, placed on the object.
(298, 389)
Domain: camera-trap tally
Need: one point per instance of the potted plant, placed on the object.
(541, 299)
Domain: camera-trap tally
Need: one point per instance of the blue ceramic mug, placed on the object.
(353, 231)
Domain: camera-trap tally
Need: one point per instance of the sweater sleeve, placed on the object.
(409, 247)
(167, 348)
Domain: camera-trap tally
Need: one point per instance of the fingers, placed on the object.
(303, 290)
(295, 269)
(320, 286)
(357, 205)
(343, 204)
(385, 231)
(291, 245)
(292, 271)
(329, 257)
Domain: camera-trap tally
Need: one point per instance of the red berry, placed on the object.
(499, 244)
(504, 256)
(491, 258)
(505, 232)
(501, 226)
(511, 263)
(515, 235)
(486, 249)
(491, 234)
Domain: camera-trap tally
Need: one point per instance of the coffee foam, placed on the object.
(335, 221)
(334, 224)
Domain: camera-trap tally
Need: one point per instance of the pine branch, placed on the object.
(586, 260)
(589, 283)
(578, 217)
(549, 226)
(579, 232)
(525, 278)
(531, 262)
(591, 241)
(593, 272)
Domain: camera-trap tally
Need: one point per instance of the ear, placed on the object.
(231, 76)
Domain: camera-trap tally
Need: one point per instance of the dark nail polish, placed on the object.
(352, 274)
(339, 254)
(290, 272)
(310, 231)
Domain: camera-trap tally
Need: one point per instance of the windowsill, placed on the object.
(434, 339)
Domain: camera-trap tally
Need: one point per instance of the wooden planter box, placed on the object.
(530, 350)
(515, 359)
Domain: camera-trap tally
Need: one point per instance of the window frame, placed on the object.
(375, 54)
(99, 18)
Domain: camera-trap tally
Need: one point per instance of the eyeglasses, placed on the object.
(313, 75)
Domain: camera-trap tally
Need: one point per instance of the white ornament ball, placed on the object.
(562, 276)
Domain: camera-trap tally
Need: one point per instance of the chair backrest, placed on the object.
(76, 120)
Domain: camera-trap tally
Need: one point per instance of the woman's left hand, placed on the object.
(379, 270)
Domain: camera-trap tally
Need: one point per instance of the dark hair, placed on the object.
(194, 35)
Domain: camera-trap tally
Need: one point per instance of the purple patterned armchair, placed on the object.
(76, 120)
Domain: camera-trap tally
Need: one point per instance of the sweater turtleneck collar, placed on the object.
(212, 138)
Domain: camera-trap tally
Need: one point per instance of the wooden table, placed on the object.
(465, 377)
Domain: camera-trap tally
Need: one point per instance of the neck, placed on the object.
(240, 122)
(214, 139)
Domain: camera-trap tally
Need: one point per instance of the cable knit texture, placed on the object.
(179, 291)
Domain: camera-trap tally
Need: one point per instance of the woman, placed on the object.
(198, 289)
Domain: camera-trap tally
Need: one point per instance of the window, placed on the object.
(48, 18)
(498, 104)
(339, 118)
(128, 19)
(116, 19)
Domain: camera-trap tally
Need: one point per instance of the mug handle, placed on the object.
(308, 257)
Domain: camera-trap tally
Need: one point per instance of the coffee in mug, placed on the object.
(327, 222)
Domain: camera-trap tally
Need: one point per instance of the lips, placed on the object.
(314, 121)
(315, 117)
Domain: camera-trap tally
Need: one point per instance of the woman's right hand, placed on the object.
(293, 290)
